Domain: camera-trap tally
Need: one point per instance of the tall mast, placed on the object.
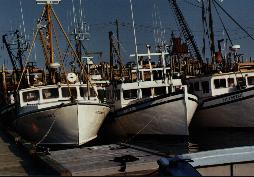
(50, 33)
(212, 47)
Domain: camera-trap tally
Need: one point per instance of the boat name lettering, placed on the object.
(233, 97)
(129, 110)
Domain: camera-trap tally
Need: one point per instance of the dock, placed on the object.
(20, 158)
(114, 159)
(14, 161)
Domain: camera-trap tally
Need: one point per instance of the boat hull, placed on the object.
(167, 115)
(233, 110)
(73, 124)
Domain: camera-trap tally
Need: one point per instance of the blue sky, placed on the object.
(101, 15)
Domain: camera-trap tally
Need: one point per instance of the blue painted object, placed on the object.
(176, 167)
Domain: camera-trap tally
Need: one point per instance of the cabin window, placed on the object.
(146, 92)
(231, 82)
(130, 94)
(84, 93)
(69, 91)
(220, 83)
(31, 96)
(205, 86)
(241, 81)
(196, 86)
(50, 93)
(250, 80)
(160, 91)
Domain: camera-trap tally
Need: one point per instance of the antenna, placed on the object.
(48, 1)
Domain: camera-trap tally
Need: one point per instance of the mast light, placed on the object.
(48, 1)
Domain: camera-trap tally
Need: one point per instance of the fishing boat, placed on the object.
(156, 104)
(225, 89)
(226, 99)
(55, 107)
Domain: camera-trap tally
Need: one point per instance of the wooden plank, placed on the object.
(99, 160)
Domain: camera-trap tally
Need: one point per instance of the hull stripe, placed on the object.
(134, 109)
(229, 102)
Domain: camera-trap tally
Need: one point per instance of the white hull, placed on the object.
(73, 124)
(167, 115)
(234, 110)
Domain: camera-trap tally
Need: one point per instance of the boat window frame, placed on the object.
(248, 80)
(219, 84)
(162, 92)
(50, 98)
(30, 91)
(66, 87)
(231, 84)
(131, 91)
(146, 92)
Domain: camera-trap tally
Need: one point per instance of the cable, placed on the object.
(233, 19)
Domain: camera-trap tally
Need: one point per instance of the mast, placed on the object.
(212, 47)
(50, 33)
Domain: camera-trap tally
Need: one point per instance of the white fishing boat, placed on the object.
(226, 99)
(53, 108)
(157, 104)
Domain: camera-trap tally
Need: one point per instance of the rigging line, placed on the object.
(131, 138)
(223, 24)
(162, 37)
(22, 17)
(30, 50)
(233, 19)
(135, 40)
(121, 45)
(154, 35)
(74, 15)
(156, 24)
(75, 54)
(188, 2)
(81, 15)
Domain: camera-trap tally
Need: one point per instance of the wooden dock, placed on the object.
(14, 161)
(106, 160)
(20, 158)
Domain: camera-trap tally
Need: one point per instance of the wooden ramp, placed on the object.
(106, 160)
(14, 161)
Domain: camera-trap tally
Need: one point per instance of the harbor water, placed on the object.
(198, 140)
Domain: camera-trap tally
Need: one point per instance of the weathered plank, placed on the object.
(101, 160)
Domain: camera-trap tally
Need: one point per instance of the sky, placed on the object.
(100, 15)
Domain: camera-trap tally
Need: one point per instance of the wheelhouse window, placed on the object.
(146, 92)
(205, 87)
(69, 91)
(250, 80)
(160, 91)
(130, 94)
(241, 81)
(84, 92)
(50, 93)
(31, 96)
(231, 82)
(220, 83)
